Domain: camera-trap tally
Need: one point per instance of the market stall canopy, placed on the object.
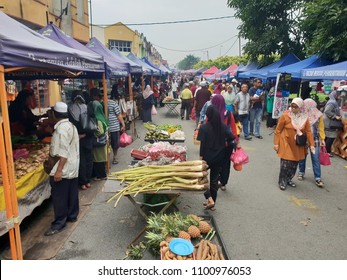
(54, 33)
(210, 71)
(295, 68)
(39, 56)
(251, 65)
(229, 72)
(135, 68)
(262, 73)
(337, 71)
(164, 70)
(213, 76)
(155, 69)
(115, 67)
(147, 70)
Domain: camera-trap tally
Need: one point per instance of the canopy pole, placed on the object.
(130, 88)
(105, 98)
(7, 167)
(131, 98)
(38, 95)
(142, 83)
(152, 82)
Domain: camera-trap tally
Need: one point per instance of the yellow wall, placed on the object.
(121, 32)
(35, 13)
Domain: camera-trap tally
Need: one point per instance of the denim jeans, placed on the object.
(244, 121)
(255, 115)
(315, 164)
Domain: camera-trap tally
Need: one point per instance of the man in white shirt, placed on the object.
(64, 175)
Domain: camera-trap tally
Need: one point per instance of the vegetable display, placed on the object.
(186, 175)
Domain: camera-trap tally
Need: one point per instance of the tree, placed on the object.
(222, 62)
(188, 62)
(270, 27)
(324, 26)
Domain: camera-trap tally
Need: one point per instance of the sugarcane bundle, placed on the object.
(187, 175)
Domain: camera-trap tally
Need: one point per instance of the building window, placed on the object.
(122, 46)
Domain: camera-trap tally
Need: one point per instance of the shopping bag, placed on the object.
(154, 111)
(239, 157)
(324, 157)
(195, 136)
(125, 140)
(193, 114)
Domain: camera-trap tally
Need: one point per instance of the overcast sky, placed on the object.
(208, 38)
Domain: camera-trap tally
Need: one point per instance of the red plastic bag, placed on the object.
(193, 114)
(239, 157)
(324, 157)
(125, 140)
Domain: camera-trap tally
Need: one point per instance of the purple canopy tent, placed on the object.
(145, 67)
(25, 48)
(135, 68)
(27, 54)
(116, 67)
(156, 70)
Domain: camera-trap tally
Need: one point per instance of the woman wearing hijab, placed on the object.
(99, 152)
(227, 118)
(292, 123)
(331, 111)
(147, 103)
(315, 118)
(212, 136)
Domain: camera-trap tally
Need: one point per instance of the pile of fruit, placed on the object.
(164, 131)
(165, 227)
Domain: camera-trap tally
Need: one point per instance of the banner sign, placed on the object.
(282, 92)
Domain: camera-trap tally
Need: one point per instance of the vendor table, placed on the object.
(171, 107)
(171, 141)
(174, 194)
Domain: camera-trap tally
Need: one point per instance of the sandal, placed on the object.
(88, 185)
(300, 177)
(283, 188)
(115, 161)
(292, 184)
(320, 183)
(205, 203)
(223, 188)
(209, 206)
(84, 187)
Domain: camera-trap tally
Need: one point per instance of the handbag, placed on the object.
(49, 163)
(100, 141)
(301, 140)
(335, 124)
(324, 157)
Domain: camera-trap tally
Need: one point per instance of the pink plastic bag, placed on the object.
(324, 157)
(125, 140)
(239, 157)
(153, 110)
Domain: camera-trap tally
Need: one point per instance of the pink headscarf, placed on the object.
(147, 92)
(313, 113)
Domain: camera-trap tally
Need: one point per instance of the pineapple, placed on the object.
(195, 217)
(183, 234)
(204, 227)
(194, 231)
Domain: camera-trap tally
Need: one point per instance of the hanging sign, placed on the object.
(282, 92)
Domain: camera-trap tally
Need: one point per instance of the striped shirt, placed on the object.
(113, 112)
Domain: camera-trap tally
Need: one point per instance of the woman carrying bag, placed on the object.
(315, 118)
(292, 126)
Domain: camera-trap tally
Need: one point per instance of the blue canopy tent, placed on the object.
(147, 70)
(116, 67)
(262, 73)
(135, 68)
(251, 65)
(155, 68)
(295, 68)
(164, 70)
(337, 71)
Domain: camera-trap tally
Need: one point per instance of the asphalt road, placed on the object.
(256, 220)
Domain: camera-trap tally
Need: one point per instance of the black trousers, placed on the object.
(328, 143)
(99, 170)
(215, 169)
(185, 106)
(65, 201)
(225, 168)
(86, 166)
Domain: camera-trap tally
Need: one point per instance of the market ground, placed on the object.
(255, 219)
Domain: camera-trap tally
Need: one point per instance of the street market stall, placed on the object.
(25, 54)
(171, 105)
